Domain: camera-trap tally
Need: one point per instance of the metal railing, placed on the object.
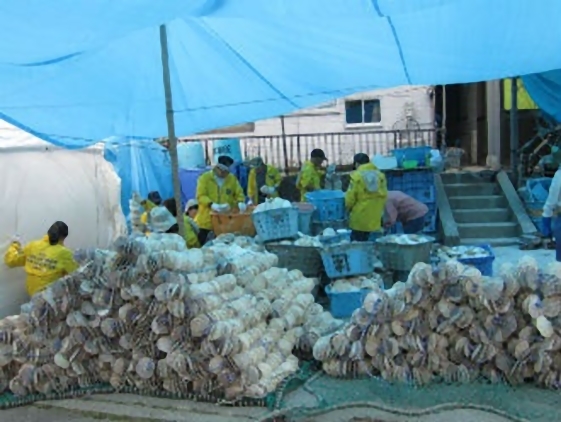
(290, 151)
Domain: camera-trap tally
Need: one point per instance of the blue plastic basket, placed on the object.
(277, 224)
(483, 264)
(330, 204)
(338, 238)
(343, 304)
(412, 153)
(348, 259)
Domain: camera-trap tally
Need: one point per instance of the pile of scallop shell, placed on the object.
(453, 324)
(153, 315)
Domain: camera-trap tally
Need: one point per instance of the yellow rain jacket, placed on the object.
(309, 179)
(208, 192)
(148, 206)
(366, 198)
(191, 238)
(272, 179)
(43, 263)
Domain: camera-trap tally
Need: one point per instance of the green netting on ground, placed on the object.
(323, 395)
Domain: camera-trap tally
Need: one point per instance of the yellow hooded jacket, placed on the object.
(191, 235)
(366, 197)
(42, 262)
(272, 179)
(148, 206)
(208, 193)
(309, 179)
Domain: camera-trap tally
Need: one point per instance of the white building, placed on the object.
(373, 122)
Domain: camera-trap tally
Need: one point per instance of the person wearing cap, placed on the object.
(263, 181)
(551, 217)
(406, 210)
(309, 178)
(218, 190)
(191, 228)
(365, 198)
(154, 200)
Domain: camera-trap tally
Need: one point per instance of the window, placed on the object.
(362, 112)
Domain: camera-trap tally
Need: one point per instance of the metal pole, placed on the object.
(171, 129)
(284, 148)
(514, 135)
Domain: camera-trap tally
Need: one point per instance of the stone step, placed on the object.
(489, 215)
(500, 241)
(466, 177)
(472, 189)
(488, 230)
(477, 202)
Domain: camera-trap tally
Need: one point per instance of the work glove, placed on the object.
(220, 207)
(242, 206)
(546, 226)
(16, 238)
(264, 190)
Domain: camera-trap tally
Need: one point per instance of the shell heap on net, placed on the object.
(453, 324)
(153, 315)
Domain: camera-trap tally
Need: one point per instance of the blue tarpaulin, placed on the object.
(545, 90)
(142, 165)
(238, 61)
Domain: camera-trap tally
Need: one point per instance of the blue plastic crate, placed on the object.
(343, 304)
(412, 153)
(277, 224)
(483, 264)
(424, 194)
(338, 238)
(330, 205)
(416, 177)
(350, 259)
(394, 182)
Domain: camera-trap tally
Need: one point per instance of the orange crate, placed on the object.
(233, 222)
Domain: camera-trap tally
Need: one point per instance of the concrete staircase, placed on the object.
(481, 210)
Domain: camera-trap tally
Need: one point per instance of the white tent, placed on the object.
(40, 184)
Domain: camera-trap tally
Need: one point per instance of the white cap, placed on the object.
(191, 203)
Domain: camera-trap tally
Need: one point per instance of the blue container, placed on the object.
(230, 147)
(484, 264)
(425, 194)
(330, 204)
(394, 182)
(346, 260)
(343, 304)
(412, 153)
(277, 224)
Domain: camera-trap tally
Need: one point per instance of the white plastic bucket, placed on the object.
(191, 155)
(230, 147)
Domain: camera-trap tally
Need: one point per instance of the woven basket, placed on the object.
(304, 258)
(403, 257)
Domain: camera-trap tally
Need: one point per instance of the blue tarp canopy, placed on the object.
(80, 71)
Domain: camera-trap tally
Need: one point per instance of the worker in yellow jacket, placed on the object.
(310, 176)
(365, 199)
(191, 228)
(154, 200)
(263, 181)
(44, 260)
(218, 190)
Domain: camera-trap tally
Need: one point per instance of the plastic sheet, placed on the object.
(545, 90)
(142, 165)
(270, 59)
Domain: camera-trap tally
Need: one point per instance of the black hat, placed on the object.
(225, 160)
(318, 153)
(361, 158)
(155, 197)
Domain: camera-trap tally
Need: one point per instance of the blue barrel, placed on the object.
(191, 155)
(230, 147)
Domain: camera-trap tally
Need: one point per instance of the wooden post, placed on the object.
(171, 129)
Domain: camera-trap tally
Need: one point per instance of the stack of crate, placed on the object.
(419, 184)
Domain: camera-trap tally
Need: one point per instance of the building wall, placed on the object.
(326, 127)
